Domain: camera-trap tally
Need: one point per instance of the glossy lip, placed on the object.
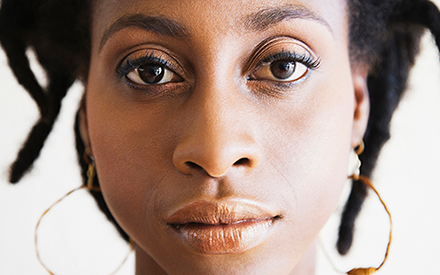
(222, 227)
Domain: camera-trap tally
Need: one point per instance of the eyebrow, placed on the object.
(156, 24)
(265, 18)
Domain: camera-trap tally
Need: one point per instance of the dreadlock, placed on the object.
(387, 33)
(59, 40)
(384, 34)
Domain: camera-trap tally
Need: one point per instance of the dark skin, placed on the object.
(215, 121)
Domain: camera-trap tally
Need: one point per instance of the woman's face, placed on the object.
(222, 130)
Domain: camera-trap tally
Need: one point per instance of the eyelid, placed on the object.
(284, 47)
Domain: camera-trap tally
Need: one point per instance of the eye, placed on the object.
(150, 74)
(281, 70)
(149, 67)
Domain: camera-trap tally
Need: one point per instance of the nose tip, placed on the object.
(216, 159)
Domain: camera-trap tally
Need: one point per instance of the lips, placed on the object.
(220, 228)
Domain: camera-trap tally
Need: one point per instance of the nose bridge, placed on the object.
(218, 135)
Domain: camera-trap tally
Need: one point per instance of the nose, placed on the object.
(218, 136)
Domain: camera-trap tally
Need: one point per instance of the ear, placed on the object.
(83, 128)
(361, 106)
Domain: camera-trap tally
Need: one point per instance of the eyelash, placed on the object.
(308, 61)
(131, 64)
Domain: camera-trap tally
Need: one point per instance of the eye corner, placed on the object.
(315, 64)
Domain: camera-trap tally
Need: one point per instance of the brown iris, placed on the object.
(151, 74)
(283, 69)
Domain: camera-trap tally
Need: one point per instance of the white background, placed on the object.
(75, 238)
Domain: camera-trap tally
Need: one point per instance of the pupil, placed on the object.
(282, 69)
(151, 74)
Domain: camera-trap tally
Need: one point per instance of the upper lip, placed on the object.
(220, 213)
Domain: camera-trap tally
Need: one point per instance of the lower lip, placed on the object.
(226, 238)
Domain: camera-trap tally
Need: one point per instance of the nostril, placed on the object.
(193, 165)
(243, 162)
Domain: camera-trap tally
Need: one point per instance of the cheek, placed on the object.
(312, 151)
(127, 142)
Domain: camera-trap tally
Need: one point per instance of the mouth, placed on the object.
(221, 228)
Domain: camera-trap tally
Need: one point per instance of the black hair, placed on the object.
(384, 35)
(60, 42)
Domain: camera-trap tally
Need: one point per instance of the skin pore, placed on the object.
(218, 129)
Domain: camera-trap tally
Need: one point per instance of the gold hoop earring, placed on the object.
(90, 176)
(91, 172)
(365, 180)
(360, 148)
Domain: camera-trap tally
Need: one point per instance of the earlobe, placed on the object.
(83, 127)
(361, 107)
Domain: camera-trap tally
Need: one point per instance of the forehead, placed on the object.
(223, 16)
